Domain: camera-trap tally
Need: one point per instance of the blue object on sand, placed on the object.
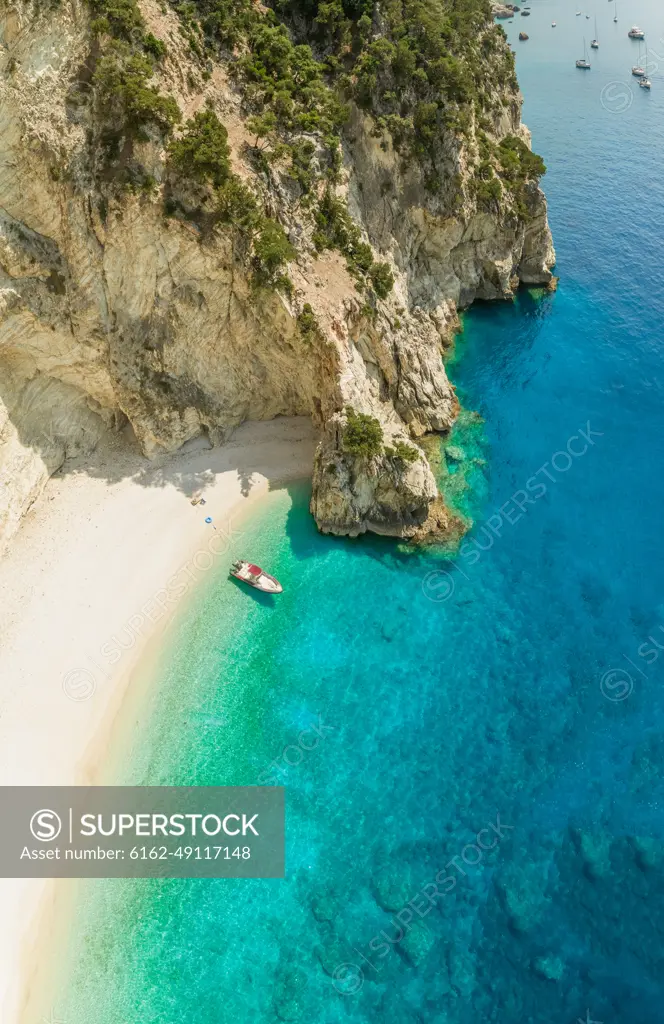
(208, 520)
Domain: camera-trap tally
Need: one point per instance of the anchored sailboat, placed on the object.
(644, 81)
(594, 43)
(583, 63)
(638, 71)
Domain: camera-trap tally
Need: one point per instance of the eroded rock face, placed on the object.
(445, 258)
(113, 311)
(352, 494)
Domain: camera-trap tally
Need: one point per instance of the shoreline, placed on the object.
(92, 578)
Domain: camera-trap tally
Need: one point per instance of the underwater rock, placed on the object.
(392, 891)
(594, 850)
(550, 967)
(289, 989)
(441, 525)
(454, 454)
(324, 907)
(648, 853)
(521, 890)
(461, 967)
(332, 953)
(416, 944)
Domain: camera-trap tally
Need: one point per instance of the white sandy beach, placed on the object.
(96, 569)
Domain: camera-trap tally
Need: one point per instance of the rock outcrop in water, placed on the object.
(126, 292)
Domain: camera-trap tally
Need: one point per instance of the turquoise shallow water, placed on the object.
(516, 688)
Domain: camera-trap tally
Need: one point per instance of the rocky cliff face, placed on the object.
(111, 310)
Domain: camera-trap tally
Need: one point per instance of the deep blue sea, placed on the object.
(478, 833)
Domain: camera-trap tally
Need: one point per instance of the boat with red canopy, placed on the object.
(255, 577)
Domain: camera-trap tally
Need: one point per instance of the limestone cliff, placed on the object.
(115, 306)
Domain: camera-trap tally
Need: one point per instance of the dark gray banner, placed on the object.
(142, 832)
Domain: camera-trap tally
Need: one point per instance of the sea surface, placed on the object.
(491, 726)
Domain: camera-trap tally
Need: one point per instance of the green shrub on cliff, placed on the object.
(272, 251)
(153, 46)
(382, 279)
(517, 162)
(202, 152)
(362, 434)
(425, 69)
(336, 229)
(403, 53)
(518, 166)
(225, 22)
(487, 192)
(126, 103)
(289, 80)
(120, 18)
(236, 204)
(403, 452)
(307, 324)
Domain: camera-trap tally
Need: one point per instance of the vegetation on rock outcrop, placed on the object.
(403, 452)
(362, 435)
(202, 152)
(308, 326)
(126, 103)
